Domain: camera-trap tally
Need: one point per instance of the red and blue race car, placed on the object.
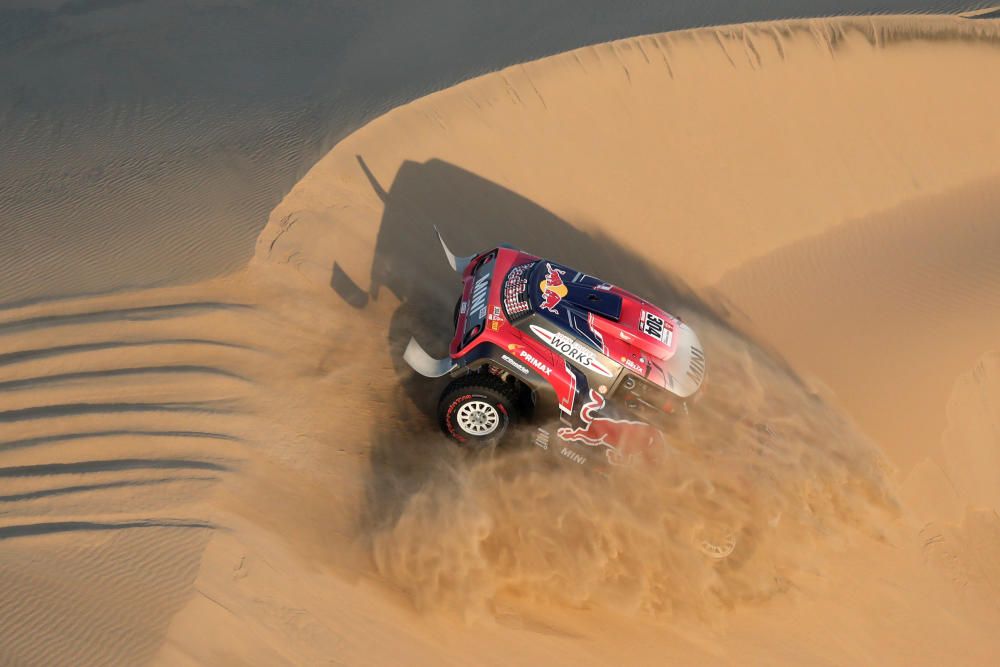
(600, 371)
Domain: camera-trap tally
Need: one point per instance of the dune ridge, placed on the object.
(692, 166)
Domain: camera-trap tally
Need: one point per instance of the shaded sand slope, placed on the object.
(250, 458)
(699, 150)
(888, 310)
(145, 143)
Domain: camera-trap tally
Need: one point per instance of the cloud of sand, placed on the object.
(514, 524)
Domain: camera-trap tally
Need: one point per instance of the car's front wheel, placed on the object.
(477, 410)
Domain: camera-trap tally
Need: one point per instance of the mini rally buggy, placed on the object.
(535, 338)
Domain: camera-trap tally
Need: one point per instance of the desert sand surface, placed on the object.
(144, 143)
(241, 470)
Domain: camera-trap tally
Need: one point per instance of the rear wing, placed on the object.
(425, 364)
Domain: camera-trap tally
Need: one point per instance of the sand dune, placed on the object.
(112, 426)
(242, 471)
(145, 143)
(744, 131)
(927, 268)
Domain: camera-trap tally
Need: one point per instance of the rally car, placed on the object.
(601, 373)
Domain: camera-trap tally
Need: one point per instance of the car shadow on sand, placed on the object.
(473, 214)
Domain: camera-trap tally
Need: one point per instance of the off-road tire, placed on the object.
(485, 398)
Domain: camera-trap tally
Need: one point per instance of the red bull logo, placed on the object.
(624, 441)
(553, 288)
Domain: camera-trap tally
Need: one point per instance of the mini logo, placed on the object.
(553, 288)
(572, 350)
(479, 294)
(573, 456)
(696, 371)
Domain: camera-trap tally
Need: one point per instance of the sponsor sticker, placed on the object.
(534, 361)
(513, 364)
(631, 365)
(542, 438)
(571, 349)
(653, 326)
(495, 318)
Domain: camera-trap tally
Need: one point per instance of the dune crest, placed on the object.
(675, 144)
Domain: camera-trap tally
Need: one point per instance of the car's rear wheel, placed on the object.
(477, 410)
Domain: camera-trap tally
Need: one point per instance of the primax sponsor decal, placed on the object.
(537, 363)
(571, 350)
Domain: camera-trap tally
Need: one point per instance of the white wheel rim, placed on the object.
(478, 418)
